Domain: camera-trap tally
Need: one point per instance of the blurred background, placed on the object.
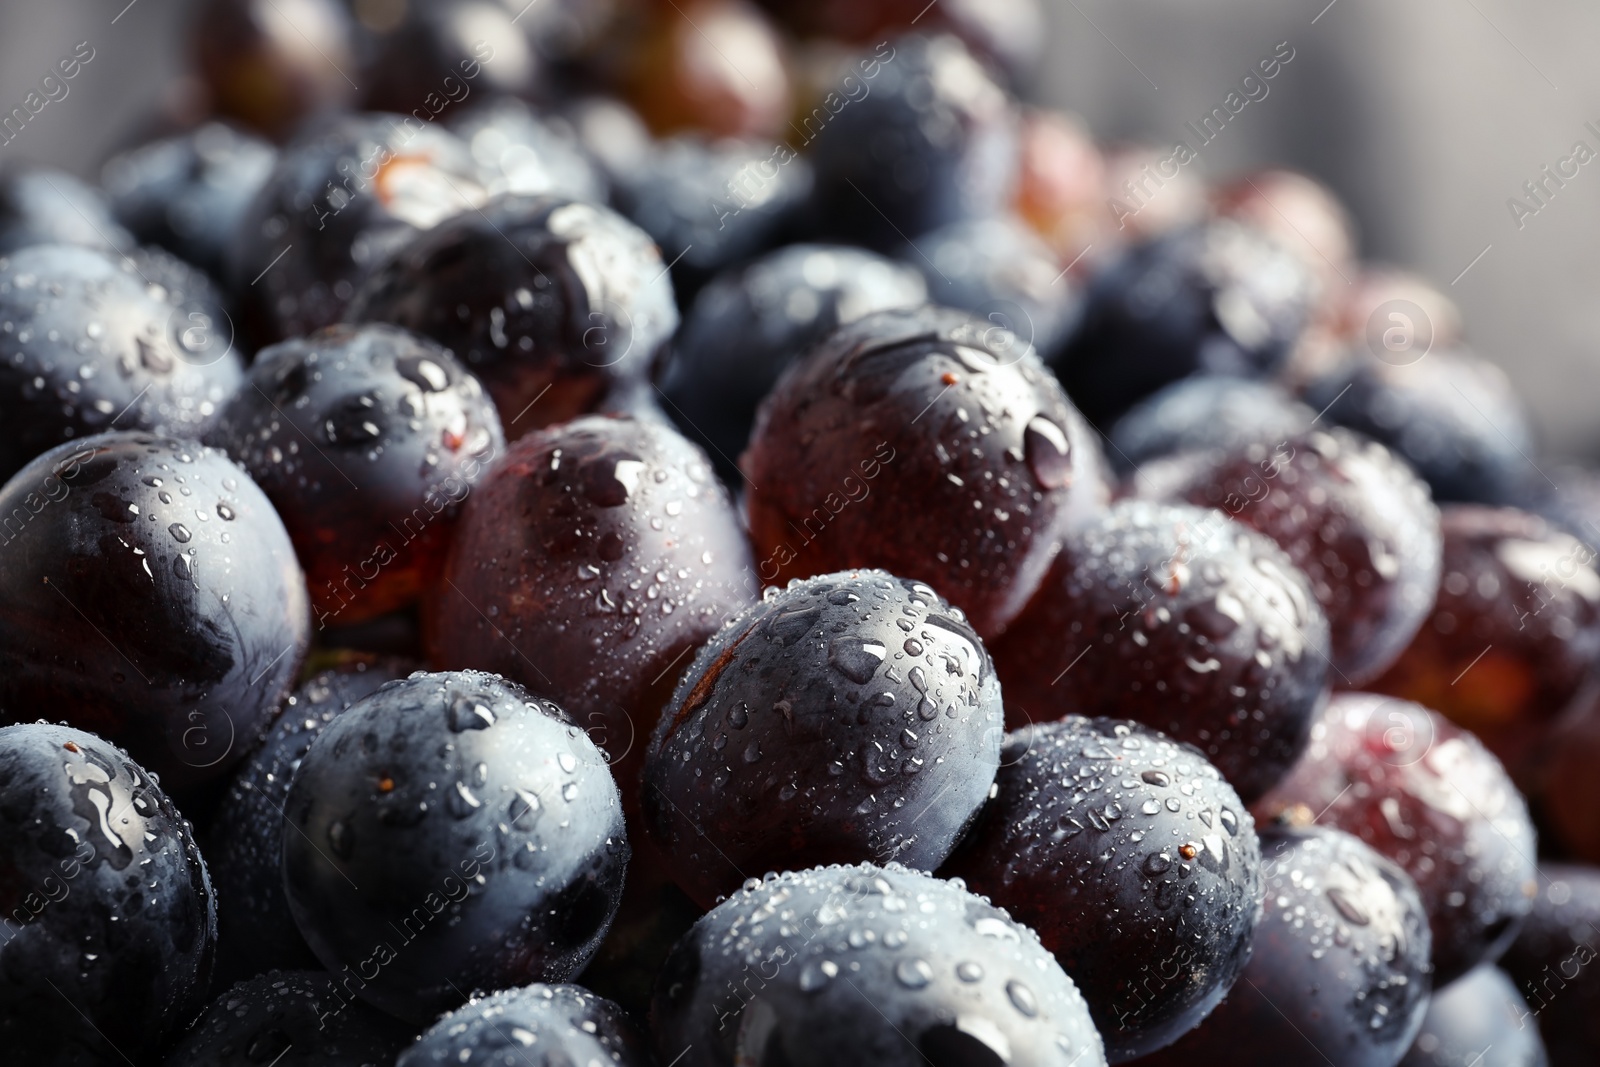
(1426, 118)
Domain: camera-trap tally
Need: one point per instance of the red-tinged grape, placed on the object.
(366, 439)
(930, 445)
(1352, 516)
(1184, 620)
(1429, 796)
(553, 302)
(1304, 215)
(715, 66)
(589, 565)
(272, 63)
(1513, 633)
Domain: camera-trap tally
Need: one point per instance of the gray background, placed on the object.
(1424, 115)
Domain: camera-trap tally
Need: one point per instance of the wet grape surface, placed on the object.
(590, 565)
(1351, 515)
(109, 925)
(451, 833)
(868, 964)
(152, 596)
(1338, 970)
(564, 1023)
(290, 1018)
(851, 716)
(244, 843)
(1134, 862)
(928, 418)
(367, 440)
(1184, 620)
(553, 302)
(92, 342)
(1427, 795)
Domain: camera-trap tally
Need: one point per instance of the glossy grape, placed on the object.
(90, 341)
(1513, 633)
(1133, 861)
(552, 302)
(866, 964)
(1184, 620)
(107, 922)
(245, 841)
(1428, 796)
(343, 198)
(1339, 966)
(451, 834)
(1350, 515)
(592, 562)
(148, 592)
(921, 413)
(367, 440)
(851, 716)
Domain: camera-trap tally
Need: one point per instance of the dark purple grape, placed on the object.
(933, 142)
(711, 205)
(452, 834)
(1552, 962)
(866, 964)
(1217, 298)
(244, 844)
(1350, 515)
(595, 557)
(366, 439)
(750, 323)
(107, 922)
(1479, 1020)
(1452, 415)
(850, 716)
(1338, 971)
(188, 192)
(1184, 620)
(342, 199)
(1132, 860)
(91, 341)
(289, 1018)
(561, 1024)
(1003, 273)
(553, 302)
(148, 592)
(975, 438)
(1206, 412)
(1427, 795)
